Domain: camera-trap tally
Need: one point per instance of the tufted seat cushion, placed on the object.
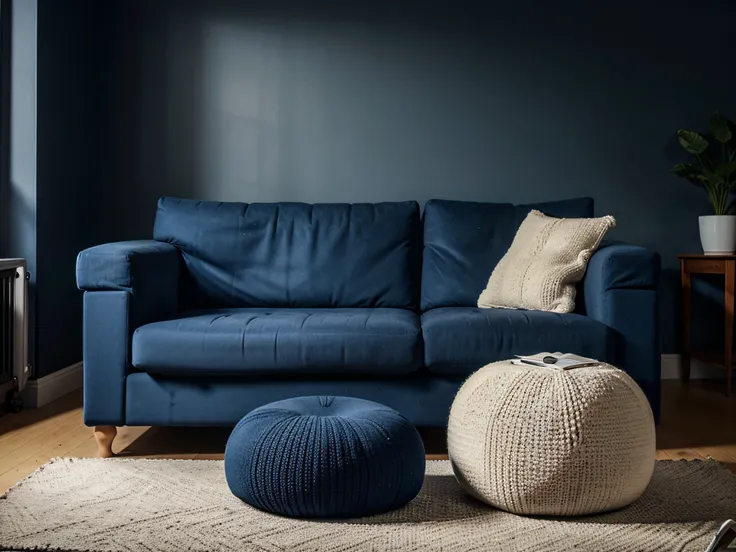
(460, 340)
(252, 342)
(325, 457)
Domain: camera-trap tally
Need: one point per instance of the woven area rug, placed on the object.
(161, 505)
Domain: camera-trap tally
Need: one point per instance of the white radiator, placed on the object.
(14, 368)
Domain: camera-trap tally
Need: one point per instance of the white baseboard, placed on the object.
(42, 391)
(698, 369)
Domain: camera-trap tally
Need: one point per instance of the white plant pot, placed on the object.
(718, 234)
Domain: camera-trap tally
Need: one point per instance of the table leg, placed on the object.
(685, 360)
(728, 337)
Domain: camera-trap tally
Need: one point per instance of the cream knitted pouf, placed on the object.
(550, 442)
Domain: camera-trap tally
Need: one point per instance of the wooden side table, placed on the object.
(708, 264)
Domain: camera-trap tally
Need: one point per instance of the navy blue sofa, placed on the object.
(235, 305)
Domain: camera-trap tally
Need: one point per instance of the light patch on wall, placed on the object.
(240, 110)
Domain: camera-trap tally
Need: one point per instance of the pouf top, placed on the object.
(326, 405)
(538, 441)
(568, 390)
(325, 457)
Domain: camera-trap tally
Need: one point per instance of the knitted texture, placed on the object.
(538, 441)
(325, 457)
(137, 505)
(546, 259)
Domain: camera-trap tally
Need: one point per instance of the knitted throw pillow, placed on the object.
(546, 259)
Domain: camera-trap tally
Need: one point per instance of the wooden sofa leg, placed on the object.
(105, 435)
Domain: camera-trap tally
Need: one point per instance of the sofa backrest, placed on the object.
(295, 254)
(463, 242)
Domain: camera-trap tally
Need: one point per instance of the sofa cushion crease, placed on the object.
(275, 255)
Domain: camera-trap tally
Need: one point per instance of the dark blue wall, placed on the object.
(58, 154)
(277, 100)
(490, 101)
(18, 191)
(72, 149)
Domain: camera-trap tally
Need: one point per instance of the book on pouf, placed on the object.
(555, 361)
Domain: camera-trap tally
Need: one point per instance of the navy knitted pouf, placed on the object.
(325, 457)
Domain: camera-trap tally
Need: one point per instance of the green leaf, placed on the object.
(713, 178)
(692, 141)
(684, 169)
(726, 170)
(720, 128)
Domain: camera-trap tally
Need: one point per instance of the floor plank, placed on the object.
(698, 422)
(11, 422)
(17, 436)
(683, 454)
(58, 448)
(55, 436)
(210, 456)
(720, 454)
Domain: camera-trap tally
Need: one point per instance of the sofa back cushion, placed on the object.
(463, 242)
(295, 254)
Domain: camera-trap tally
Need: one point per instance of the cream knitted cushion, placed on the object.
(546, 259)
(545, 442)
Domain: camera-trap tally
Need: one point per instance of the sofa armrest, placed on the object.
(147, 269)
(621, 289)
(620, 266)
(126, 284)
(121, 266)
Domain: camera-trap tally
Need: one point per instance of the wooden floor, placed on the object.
(698, 421)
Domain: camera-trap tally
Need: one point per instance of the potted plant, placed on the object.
(715, 171)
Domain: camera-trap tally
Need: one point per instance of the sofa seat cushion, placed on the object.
(460, 340)
(253, 341)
